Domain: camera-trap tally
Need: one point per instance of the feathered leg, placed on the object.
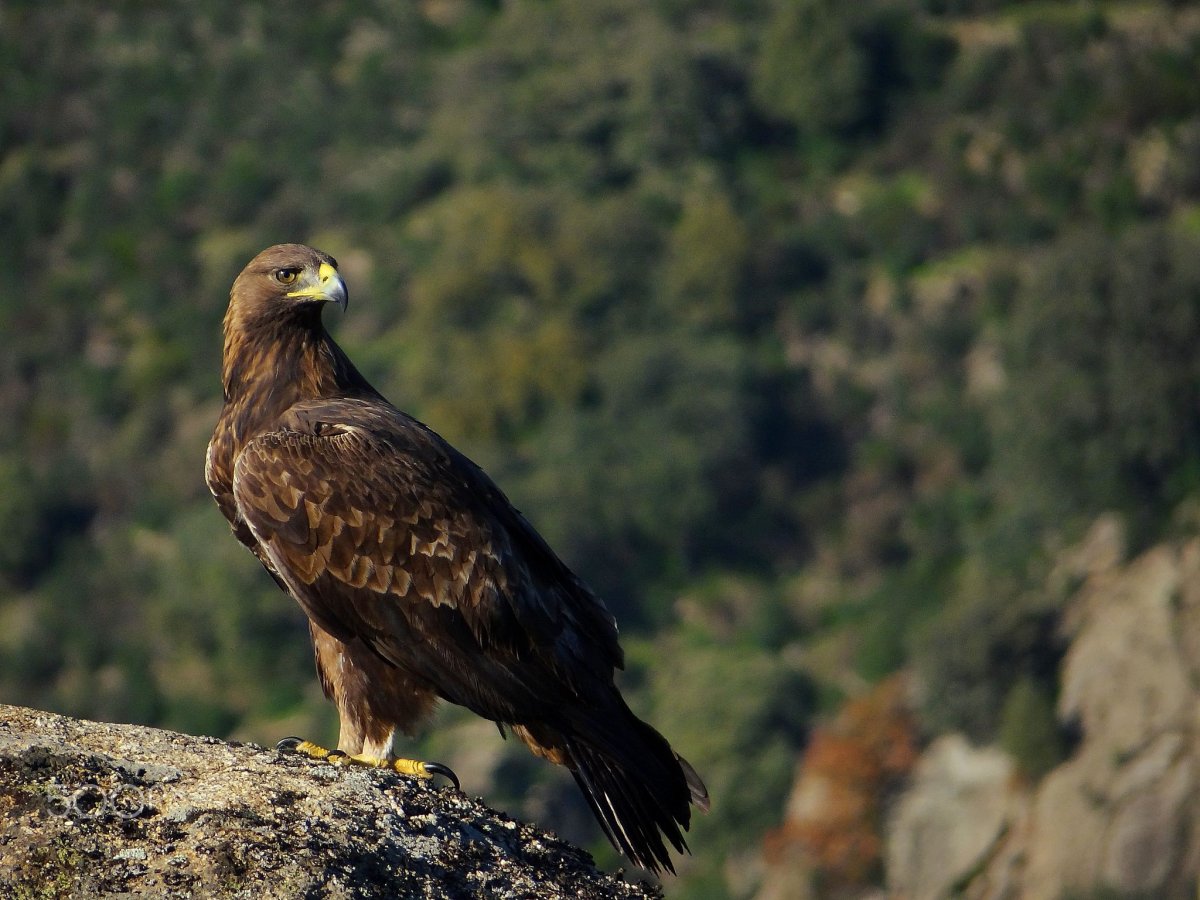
(358, 681)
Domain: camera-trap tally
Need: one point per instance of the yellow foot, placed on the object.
(412, 767)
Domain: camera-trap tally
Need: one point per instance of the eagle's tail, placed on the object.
(638, 787)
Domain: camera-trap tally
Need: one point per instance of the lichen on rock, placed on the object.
(90, 809)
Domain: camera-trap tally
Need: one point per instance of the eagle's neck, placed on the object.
(269, 365)
(272, 363)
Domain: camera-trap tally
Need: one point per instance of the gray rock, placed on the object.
(1122, 815)
(947, 823)
(99, 810)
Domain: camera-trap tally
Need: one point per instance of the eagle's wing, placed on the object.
(384, 532)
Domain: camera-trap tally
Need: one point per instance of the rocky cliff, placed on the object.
(95, 810)
(1120, 817)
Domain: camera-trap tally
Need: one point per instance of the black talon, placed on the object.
(439, 769)
(289, 744)
(336, 754)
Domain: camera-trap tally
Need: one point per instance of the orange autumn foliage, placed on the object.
(851, 765)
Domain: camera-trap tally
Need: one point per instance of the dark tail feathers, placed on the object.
(638, 787)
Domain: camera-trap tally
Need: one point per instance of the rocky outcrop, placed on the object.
(1121, 817)
(1122, 813)
(96, 810)
(958, 808)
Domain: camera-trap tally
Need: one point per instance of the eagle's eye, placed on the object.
(286, 276)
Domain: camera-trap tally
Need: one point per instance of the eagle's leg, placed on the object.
(373, 698)
(412, 767)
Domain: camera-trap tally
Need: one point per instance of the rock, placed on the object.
(1121, 817)
(98, 810)
(947, 824)
(1124, 679)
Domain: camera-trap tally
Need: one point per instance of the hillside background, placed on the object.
(812, 334)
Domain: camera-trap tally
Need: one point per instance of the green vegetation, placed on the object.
(805, 331)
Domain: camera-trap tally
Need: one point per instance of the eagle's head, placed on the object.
(287, 277)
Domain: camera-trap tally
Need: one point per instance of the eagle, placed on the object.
(419, 578)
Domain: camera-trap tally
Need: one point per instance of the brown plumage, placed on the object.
(420, 580)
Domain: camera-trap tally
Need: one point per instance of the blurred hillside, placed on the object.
(810, 334)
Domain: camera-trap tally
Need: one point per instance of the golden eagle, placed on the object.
(419, 578)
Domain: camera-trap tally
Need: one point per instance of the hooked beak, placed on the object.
(326, 286)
